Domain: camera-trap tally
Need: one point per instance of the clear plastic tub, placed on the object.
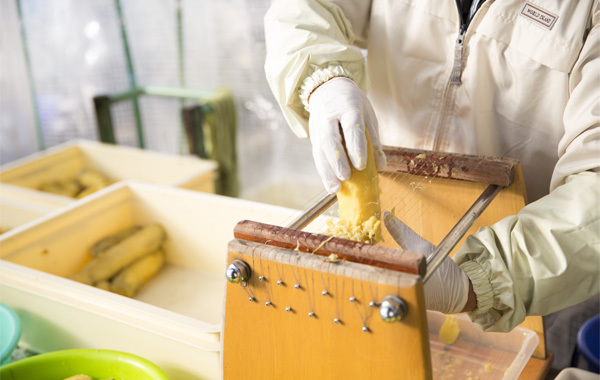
(477, 354)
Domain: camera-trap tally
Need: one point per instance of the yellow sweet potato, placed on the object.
(128, 281)
(359, 206)
(104, 285)
(105, 243)
(85, 182)
(115, 258)
(67, 188)
(90, 178)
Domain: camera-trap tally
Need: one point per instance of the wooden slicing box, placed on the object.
(268, 332)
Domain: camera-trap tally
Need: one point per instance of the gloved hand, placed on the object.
(337, 103)
(447, 289)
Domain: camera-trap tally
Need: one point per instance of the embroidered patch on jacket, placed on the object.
(539, 16)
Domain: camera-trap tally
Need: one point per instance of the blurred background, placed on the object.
(56, 56)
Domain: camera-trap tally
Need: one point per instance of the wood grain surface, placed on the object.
(374, 255)
(474, 168)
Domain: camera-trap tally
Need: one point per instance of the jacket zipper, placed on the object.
(455, 77)
(458, 53)
(450, 91)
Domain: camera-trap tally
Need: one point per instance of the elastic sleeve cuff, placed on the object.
(481, 286)
(318, 77)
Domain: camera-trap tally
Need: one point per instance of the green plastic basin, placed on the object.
(96, 363)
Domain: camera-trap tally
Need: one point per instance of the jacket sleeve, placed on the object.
(545, 258)
(579, 149)
(309, 42)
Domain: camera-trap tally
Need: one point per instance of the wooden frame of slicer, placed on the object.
(301, 305)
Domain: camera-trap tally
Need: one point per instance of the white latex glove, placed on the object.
(337, 103)
(447, 289)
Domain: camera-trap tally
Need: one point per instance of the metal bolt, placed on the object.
(238, 271)
(392, 309)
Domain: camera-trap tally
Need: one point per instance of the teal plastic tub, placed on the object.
(96, 363)
(10, 333)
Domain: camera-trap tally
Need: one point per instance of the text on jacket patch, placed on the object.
(541, 17)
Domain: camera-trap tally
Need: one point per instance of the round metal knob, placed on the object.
(237, 271)
(392, 309)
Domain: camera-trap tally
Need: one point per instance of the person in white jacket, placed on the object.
(497, 78)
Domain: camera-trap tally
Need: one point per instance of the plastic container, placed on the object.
(588, 343)
(478, 354)
(10, 333)
(20, 206)
(98, 364)
(576, 374)
(174, 320)
(114, 162)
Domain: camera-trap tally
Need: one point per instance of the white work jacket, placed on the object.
(527, 90)
(521, 81)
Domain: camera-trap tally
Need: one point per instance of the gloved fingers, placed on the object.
(447, 290)
(353, 128)
(333, 149)
(405, 236)
(330, 181)
(326, 142)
